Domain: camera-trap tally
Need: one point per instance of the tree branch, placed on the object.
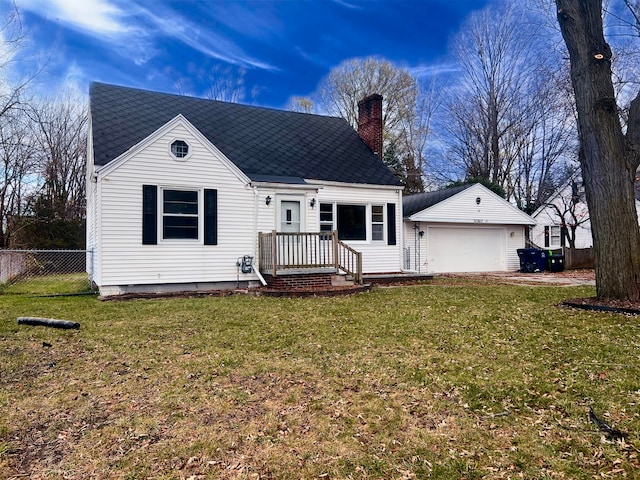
(633, 132)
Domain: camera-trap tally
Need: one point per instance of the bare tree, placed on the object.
(406, 111)
(609, 156)
(60, 132)
(634, 9)
(570, 208)
(17, 171)
(226, 84)
(412, 134)
(354, 79)
(544, 143)
(300, 104)
(18, 177)
(506, 120)
(492, 53)
(13, 38)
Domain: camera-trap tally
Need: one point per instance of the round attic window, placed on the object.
(179, 149)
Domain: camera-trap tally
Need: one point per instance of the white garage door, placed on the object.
(466, 249)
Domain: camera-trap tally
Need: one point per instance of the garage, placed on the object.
(466, 228)
(466, 249)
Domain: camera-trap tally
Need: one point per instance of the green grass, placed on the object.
(438, 381)
(59, 284)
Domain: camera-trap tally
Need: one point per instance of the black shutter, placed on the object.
(546, 236)
(149, 215)
(210, 217)
(391, 223)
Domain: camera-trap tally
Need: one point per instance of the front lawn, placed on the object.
(435, 381)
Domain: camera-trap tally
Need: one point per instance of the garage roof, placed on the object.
(473, 203)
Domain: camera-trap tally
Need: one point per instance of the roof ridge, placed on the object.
(204, 99)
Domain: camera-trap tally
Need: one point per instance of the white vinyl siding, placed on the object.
(547, 216)
(242, 211)
(125, 260)
(377, 257)
(463, 208)
(462, 235)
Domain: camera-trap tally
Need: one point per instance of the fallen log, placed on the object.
(48, 322)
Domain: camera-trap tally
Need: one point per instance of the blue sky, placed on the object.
(285, 47)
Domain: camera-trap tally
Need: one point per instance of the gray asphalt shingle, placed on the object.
(416, 203)
(262, 142)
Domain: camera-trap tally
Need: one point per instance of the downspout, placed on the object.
(400, 227)
(416, 246)
(96, 244)
(256, 269)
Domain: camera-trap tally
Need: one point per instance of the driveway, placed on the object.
(566, 278)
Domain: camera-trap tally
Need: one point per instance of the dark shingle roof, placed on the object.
(415, 203)
(263, 143)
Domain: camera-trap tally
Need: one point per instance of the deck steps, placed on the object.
(341, 280)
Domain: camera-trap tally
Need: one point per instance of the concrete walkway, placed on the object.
(566, 278)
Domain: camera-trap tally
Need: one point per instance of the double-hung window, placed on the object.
(326, 217)
(554, 236)
(179, 214)
(377, 223)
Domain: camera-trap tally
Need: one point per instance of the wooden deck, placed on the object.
(283, 253)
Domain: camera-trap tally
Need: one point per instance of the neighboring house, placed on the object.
(563, 221)
(179, 189)
(462, 229)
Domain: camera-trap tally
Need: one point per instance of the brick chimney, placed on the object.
(370, 122)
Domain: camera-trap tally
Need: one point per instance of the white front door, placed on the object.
(290, 216)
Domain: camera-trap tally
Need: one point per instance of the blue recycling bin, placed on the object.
(532, 260)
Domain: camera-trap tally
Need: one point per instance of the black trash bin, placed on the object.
(532, 260)
(556, 262)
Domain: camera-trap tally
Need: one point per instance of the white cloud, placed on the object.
(348, 4)
(96, 17)
(137, 32)
(74, 78)
(426, 71)
(202, 40)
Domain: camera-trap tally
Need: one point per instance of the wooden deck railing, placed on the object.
(280, 252)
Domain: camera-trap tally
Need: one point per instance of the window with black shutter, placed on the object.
(180, 214)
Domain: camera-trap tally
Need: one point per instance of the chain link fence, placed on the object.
(45, 272)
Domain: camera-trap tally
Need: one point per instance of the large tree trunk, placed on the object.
(608, 158)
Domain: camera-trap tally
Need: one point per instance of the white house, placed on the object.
(565, 214)
(462, 229)
(179, 189)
